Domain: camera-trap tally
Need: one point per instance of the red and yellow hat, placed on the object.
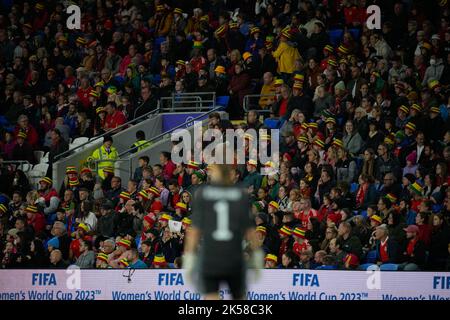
(46, 180)
(299, 77)
(254, 30)
(313, 125)
(81, 41)
(338, 143)
(71, 169)
(124, 243)
(102, 257)
(376, 218)
(343, 49)
(261, 229)
(159, 8)
(124, 262)
(124, 195)
(274, 205)
(404, 108)
(3, 208)
(302, 138)
(332, 62)
(31, 209)
(178, 10)
(319, 142)
(271, 257)
(83, 227)
(416, 188)
(297, 85)
(390, 139)
(165, 217)
(416, 107)
(100, 109)
(73, 182)
(411, 126)
(143, 194)
(299, 232)
(220, 31)
(159, 260)
(278, 82)
(391, 197)
(186, 221)
(193, 165)
(233, 25)
(182, 206)
(330, 120)
(328, 48)
(435, 110)
(22, 135)
(220, 69)
(286, 231)
(246, 55)
(85, 170)
(94, 94)
(154, 191)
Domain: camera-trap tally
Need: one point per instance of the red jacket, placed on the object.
(168, 170)
(115, 120)
(38, 222)
(83, 96)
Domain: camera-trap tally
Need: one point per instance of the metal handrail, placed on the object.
(115, 160)
(190, 96)
(173, 129)
(19, 162)
(115, 130)
(245, 103)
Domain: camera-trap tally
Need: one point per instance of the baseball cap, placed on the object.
(412, 228)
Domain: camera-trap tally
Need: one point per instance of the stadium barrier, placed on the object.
(161, 142)
(170, 284)
(251, 102)
(188, 102)
(122, 141)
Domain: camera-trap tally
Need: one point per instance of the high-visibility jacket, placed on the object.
(102, 154)
(140, 145)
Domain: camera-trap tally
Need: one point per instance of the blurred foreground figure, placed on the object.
(222, 221)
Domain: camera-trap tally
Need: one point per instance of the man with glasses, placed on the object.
(23, 125)
(385, 163)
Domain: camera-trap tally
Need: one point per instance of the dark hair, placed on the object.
(144, 158)
(87, 207)
(87, 243)
(166, 154)
(293, 257)
(140, 135)
(172, 182)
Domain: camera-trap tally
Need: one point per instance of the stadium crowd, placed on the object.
(363, 116)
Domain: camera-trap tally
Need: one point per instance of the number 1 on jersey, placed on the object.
(222, 233)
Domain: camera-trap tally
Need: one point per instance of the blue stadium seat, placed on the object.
(389, 267)
(411, 217)
(354, 187)
(368, 266)
(272, 123)
(371, 255)
(222, 101)
(436, 208)
(336, 36)
(363, 213)
(356, 33)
